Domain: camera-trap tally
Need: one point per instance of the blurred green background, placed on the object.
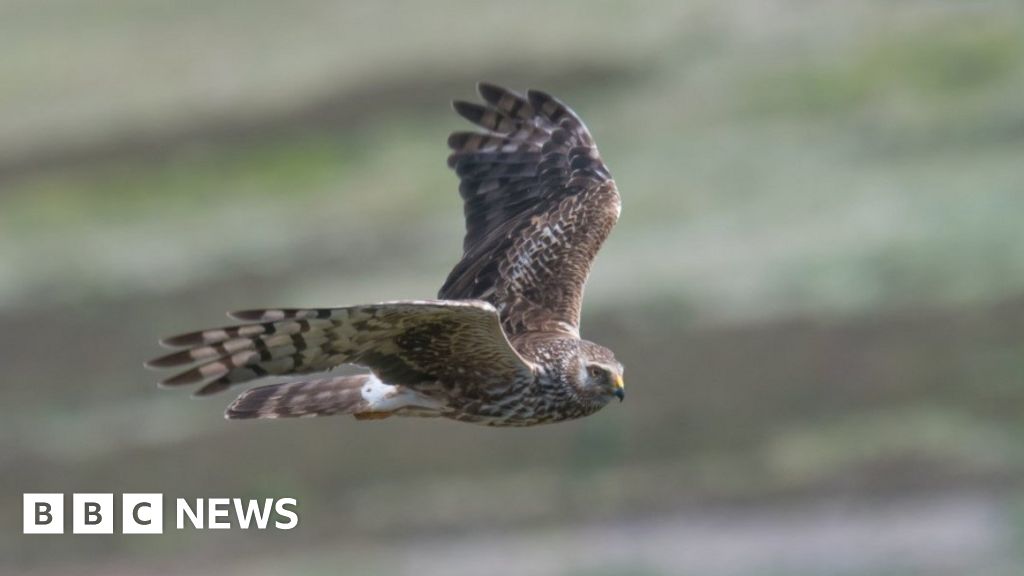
(816, 286)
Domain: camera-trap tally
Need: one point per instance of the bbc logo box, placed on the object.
(142, 513)
(43, 514)
(92, 514)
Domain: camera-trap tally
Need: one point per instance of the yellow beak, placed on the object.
(620, 388)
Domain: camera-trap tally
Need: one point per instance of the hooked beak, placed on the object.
(620, 388)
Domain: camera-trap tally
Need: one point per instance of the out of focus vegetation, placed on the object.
(817, 285)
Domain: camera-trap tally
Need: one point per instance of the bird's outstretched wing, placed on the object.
(407, 342)
(539, 203)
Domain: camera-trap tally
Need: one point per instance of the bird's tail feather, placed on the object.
(306, 398)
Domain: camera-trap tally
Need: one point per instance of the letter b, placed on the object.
(92, 514)
(42, 514)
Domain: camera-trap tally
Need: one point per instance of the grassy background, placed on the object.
(817, 285)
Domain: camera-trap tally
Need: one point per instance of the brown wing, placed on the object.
(539, 203)
(410, 342)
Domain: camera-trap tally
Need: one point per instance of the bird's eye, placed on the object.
(594, 371)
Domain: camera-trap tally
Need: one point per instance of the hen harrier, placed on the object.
(501, 345)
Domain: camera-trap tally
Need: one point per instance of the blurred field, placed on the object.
(817, 285)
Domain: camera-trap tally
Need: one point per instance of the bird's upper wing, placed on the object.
(406, 342)
(539, 203)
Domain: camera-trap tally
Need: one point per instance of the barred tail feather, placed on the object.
(306, 398)
(362, 395)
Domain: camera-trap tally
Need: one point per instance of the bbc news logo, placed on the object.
(144, 513)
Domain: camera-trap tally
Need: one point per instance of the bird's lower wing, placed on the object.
(405, 342)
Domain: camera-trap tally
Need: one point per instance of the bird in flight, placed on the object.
(500, 346)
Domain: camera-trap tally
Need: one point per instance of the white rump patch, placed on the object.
(375, 391)
(386, 398)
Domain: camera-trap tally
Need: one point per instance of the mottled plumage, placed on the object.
(500, 346)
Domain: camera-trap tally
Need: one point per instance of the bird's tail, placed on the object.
(362, 395)
(316, 397)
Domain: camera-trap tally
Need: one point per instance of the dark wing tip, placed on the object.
(457, 140)
(468, 110)
(552, 108)
(181, 340)
(538, 98)
(185, 378)
(253, 314)
(490, 92)
(169, 360)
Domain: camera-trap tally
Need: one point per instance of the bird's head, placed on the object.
(600, 374)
